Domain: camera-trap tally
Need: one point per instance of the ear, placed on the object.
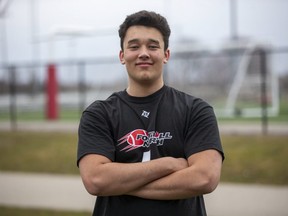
(167, 56)
(121, 57)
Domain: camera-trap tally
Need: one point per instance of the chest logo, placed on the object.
(141, 138)
(145, 114)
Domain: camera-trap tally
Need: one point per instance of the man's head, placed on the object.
(148, 19)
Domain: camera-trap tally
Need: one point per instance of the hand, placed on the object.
(176, 163)
(182, 163)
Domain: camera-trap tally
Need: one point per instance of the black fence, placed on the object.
(213, 76)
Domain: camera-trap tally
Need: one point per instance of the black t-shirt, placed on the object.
(130, 129)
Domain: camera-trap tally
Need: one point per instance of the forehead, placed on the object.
(143, 33)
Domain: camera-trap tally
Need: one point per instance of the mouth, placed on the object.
(144, 64)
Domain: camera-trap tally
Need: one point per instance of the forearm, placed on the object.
(111, 178)
(120, 178)
(201, 177)
(178, 185)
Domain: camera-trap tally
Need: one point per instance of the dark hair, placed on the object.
(149, 19)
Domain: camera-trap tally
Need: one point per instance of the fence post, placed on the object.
(12, 92)
(264, 98)
(52, 91)
(81, 86)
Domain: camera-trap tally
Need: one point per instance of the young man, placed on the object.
(150, 149)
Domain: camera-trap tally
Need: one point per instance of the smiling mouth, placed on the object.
(144, 64)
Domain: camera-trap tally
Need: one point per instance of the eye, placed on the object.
(133, 47)
(153, 47)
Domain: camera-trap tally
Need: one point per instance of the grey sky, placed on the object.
(207, 21)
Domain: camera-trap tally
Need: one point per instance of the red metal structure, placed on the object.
(51, 93)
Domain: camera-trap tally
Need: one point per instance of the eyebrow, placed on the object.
(137, 40)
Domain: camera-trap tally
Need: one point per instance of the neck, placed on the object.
(143, 90)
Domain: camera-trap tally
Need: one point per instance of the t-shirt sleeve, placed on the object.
(202, 130)
(94, 134)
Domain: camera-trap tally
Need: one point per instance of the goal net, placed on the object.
(230, 79)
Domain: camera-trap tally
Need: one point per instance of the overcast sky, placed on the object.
(207, 21)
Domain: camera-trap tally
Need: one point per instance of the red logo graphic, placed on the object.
(134, 139)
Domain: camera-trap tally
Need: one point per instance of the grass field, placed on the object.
(8, 211)
(249, 159)
(256, 159)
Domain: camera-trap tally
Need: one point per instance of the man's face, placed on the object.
(143, 54)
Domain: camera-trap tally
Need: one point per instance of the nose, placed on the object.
(143, 53)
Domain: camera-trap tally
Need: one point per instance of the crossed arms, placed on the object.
(163, 178)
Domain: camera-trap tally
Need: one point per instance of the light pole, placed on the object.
(4, 4)
(233, 20)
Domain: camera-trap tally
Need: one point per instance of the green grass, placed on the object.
(249, 159)
(9, 211)
(256, 159)
(74, 115)
(38, 152)
(65, 115)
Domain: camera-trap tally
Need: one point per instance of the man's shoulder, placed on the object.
(182, 96)
(111, 101)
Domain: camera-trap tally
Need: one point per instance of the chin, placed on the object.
(148, 81)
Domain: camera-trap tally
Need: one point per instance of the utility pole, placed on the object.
(233, 20)
(4, 50)
(11, 71)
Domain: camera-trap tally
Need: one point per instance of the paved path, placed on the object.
(63, 192)
(66, 192)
